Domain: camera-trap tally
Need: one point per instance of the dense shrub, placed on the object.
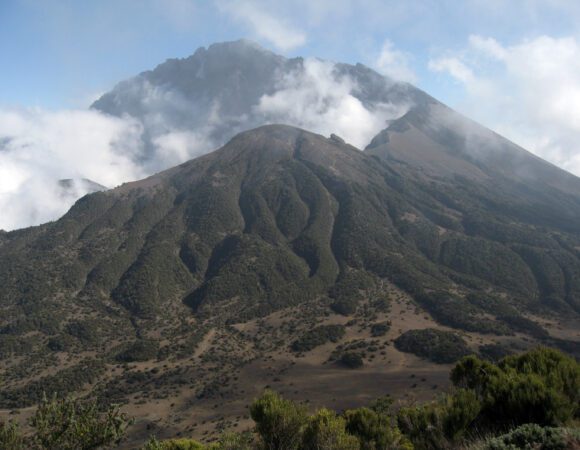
(318, 336)
(326, 431)
(374, 430)
(438, 424)
(380, 329)
(10, 437)
(279, 422)
(541, 386)
(173, 444)
(351, 360)
(140, 350)
(438, 346)
(536, 437)
(72, 425)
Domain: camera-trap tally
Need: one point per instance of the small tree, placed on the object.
(10, 437)
(279, 422)
(69, 424)
(375, 431)
(326, 431)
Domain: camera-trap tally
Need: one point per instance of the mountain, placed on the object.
(229, 87)
(280, 260)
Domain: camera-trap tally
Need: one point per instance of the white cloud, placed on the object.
(264, 24)
(529, 92)
(395, 63)
(38, 148)
(317, 98)
(455, 67)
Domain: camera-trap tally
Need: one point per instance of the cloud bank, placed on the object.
(528, 92)
(319, 99)
(38, 148)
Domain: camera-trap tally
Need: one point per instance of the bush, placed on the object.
(438, 346)
(279, 422)
(71, 425)
(374, 430)
(318, 336)
(140, 350)
(541, 386)
(326, 431)
(234, 441)
(534, 436)
(10, 437)
(442, 423)
(173, 444)
(351, 360)
(380, 329)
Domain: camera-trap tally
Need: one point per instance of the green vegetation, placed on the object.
(318, 336)
(523, 401)
(439, 346)
(541, 386)
(351, 360)
(218, 263)
(380, 329)
(67, 424)
(533, 436)
(140, 350)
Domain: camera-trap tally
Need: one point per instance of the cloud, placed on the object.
(455, 67)
(528, 91)
(264, 24)
(38, 148)
(316, 97)
(395, 63)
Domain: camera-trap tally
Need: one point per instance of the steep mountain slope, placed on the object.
(269, 260)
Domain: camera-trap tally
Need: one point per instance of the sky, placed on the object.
(512, 65)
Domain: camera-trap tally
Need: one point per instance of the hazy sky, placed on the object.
(513, 65)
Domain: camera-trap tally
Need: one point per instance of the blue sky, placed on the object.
(61, 53)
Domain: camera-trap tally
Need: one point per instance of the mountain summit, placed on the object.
(235, 86)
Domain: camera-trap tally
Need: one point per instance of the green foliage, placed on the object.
(318, 336)
(456, 312)
(423, 425)
(380, 329)
(494, 352)
(490, 261)
(140, 350)
(62, 383)
(72, 425)
(374, 430)
(533, 436)
(234, 441)
(174, 444)
(351, 360)
(347, 291)
(541, 386)
(279, 422)
(438, 346)
(326, 431)
(10, 437)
